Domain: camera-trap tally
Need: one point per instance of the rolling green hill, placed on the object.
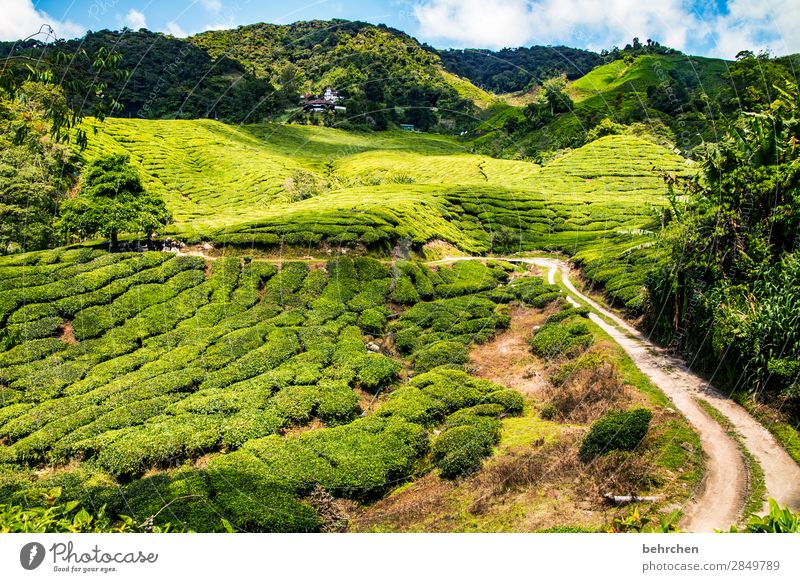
(277, 186)
(676, 96)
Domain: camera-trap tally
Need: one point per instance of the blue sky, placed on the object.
(705, 27)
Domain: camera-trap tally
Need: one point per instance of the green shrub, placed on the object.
(440, 353)
(566, 313)
(549, 411)
(296, 403)
(534, 291)
(223, 279)
(466, 277)
(459, 451)
(420, 275)
(337, 403)
(369, 269)
(561, 339)
(252, 500)
(544, 299)
(488, 424)
(281, 289)
(63, 517)
(778, 520)
(250, 424)
(413, 405)
(511, 400)
(404, 292)
(131, 451)
(406, 339)
(376, 370)
(180, 498)
(616, 431)
(487, 409)
(361, 459)
(373, 321)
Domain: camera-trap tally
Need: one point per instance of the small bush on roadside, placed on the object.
(616, 431)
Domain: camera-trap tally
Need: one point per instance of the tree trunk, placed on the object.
(113, 239)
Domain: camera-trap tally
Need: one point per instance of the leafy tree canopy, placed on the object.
(112, 200)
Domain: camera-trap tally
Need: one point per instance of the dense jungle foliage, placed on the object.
(728, 294)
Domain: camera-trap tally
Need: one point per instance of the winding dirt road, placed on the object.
(721, 500)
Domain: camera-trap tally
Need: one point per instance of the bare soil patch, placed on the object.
(507, 360)
(66, 333)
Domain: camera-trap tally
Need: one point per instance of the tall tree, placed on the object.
(111, 201)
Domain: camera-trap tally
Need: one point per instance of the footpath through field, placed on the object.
(721, 501)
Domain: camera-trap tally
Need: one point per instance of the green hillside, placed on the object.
(277, 186)
(622, 76)
(135, 379)
(258, 72)
(683, 99)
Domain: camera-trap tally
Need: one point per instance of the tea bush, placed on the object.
(440, 353)
(565, 338)
(459, 451)
(511, 400)
(616, 431)
(403, 291)
(176, 358)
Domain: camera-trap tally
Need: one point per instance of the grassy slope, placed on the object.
(617, 90)
(233, 184)
(619, 76)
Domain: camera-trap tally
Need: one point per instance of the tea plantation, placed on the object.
(221, 394)
(277, 186)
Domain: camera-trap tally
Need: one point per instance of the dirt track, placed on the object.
(720, 502)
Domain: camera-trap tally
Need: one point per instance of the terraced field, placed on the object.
(233, 387)
(272, 186)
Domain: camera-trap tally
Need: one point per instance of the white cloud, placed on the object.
(226, 24)
(499, 23)
(597, 25)
(476, 23)
(20, 20)
(135, 20)
(212, 5)
(757, 25)
(175, 30)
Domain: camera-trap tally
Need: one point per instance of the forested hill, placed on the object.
(376, 67)
(515, 69)
(256, 71)
(168, 77)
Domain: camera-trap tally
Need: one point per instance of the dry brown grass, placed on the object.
(557, 466)
(409, 508)
(536, 466)
(588, 393)
(334, 513)
(619, 473)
